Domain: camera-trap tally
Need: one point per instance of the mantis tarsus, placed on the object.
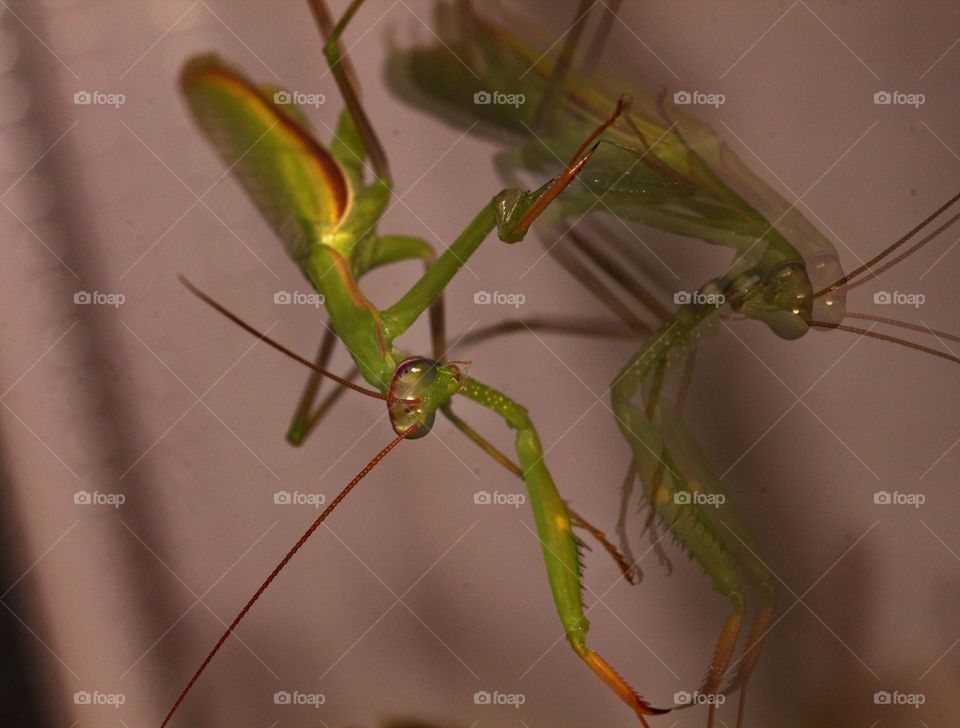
(318, 203)
(784, 273)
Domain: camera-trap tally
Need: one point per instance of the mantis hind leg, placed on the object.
(687, 497)
(346, 83)
(670, 496)
(737, 537)
(305, 417)
(751, 653)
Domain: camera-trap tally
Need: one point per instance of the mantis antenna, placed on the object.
(219, 308)
(847, 282)
(887, 337)
(283, 562)
(883, 254)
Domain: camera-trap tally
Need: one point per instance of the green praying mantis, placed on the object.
(684, 180)
(321, 205)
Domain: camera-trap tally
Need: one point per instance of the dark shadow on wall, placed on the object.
(20, 705)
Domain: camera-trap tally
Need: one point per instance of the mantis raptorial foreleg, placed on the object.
(628, 567)
(554, 520)
(556, 538)
(586, 327)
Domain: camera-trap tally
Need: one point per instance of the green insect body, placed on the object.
(318, 203)
(665, 170)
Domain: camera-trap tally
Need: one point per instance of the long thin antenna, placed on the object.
(283, 562)
(903, 325)
(883, 254)
(905, 254)
(281, 348)
(885, 337)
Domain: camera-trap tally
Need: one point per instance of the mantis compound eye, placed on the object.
(824, 268)
(411, 382)
(788, 288)
(785, 300)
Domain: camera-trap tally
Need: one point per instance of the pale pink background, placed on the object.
(115, 200)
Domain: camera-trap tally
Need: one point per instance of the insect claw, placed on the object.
(620, 686)
(460, 371)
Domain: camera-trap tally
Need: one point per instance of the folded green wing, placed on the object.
(297, 185)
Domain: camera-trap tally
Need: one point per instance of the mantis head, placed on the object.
(782, 299)
(418, 388)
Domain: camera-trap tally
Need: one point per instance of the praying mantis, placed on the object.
(784, 274)
(320, 205)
